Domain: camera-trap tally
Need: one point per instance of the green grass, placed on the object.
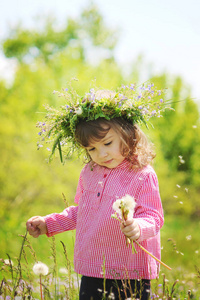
(180, 250)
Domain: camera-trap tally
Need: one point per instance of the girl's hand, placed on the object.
(131, 229)
(36, 226)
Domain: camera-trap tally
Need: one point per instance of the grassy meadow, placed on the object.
(180, 251)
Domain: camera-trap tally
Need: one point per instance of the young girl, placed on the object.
(119, 158)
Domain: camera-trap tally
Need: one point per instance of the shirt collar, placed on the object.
(124, 164)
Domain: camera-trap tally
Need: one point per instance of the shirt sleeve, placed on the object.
(149, 211)
(60, 222)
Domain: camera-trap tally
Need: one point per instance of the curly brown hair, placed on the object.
(135, 146)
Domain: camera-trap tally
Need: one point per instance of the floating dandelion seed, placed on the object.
(188, 237)
(178, 186)
(194, 126)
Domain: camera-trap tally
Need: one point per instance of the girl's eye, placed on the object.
(107, 144)
(92, 149)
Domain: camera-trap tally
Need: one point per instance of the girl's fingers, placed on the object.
(131, 229)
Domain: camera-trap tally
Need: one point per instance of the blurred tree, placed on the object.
(79, 34)
(178, 133)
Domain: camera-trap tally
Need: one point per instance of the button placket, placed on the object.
(102, 186)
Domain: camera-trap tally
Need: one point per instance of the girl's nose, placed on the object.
(102, 153)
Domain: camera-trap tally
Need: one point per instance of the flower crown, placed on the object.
(136, 104)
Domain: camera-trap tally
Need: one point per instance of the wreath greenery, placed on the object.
(135, 103)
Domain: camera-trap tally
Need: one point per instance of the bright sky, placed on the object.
(167, 33)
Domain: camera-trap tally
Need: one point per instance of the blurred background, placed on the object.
(46, 43)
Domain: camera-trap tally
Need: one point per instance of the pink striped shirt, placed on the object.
(99, 239)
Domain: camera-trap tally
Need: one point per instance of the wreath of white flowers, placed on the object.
(137, 104)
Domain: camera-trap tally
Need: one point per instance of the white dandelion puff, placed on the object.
(125, 205)
(40, 268)
(188, 237)
(117, 206)
(8, 262)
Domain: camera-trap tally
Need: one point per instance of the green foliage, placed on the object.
(180, 250)
(87, 30)
(177, 136)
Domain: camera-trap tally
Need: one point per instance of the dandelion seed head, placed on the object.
(8, 262)
(127, 204)
(40, 268)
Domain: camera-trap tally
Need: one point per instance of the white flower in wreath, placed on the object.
(104, 94)
(79, 111)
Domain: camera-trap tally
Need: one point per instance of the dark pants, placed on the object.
(95, 289)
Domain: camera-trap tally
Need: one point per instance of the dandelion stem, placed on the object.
(158, 260)
(41, 287)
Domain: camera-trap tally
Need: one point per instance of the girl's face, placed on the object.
(106, 152)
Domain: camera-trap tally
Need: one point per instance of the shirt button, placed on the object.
(104, 175)
(98, 194)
